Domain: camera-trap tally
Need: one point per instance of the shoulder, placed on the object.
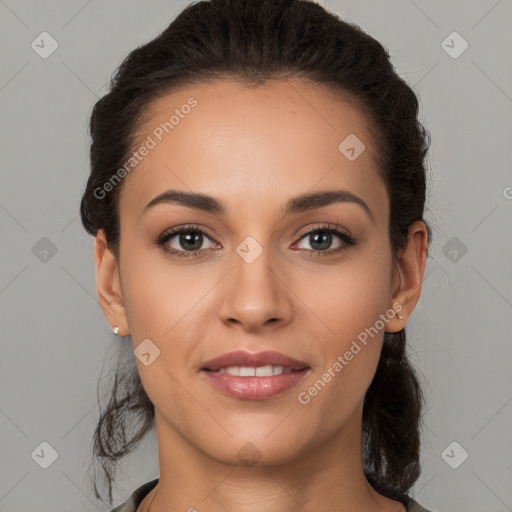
(131, 504)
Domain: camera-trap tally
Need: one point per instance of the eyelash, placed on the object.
(327, 228)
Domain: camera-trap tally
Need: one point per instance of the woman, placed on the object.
(256, 194)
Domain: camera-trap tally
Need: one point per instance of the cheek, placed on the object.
(162, 302)
(346, 299)
(344, 319)
(158, 293)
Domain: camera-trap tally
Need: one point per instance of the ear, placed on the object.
(408, 276)
(108, 285)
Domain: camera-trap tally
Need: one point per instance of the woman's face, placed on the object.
(259, 281)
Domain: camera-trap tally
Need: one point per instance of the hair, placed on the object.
(252, 41)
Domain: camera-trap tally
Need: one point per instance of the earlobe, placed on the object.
(410, 268)
(108, 285)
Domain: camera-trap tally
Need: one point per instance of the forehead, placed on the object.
(253, 146)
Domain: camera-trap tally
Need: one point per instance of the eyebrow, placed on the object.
(305, 202)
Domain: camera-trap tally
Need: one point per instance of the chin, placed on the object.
(256, 451)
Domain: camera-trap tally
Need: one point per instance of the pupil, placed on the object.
(325, 240)
(188, 238)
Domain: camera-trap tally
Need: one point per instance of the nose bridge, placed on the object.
(254, 292)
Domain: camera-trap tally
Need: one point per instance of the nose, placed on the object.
(255, 296)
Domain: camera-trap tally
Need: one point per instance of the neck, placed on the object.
(327, 475)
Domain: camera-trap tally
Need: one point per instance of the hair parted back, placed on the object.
(252, 41)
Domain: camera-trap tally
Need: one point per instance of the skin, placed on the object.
(254, 149)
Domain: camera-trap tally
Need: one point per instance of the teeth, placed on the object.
(261, 371)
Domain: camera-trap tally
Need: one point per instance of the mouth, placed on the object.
(259, 371)
(247, 376)
(264, 363)
(249, 383)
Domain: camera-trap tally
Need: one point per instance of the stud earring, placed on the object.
(400, 317)
(116, 331)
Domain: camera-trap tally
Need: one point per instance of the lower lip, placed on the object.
(254, 388)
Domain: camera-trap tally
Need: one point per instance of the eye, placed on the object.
(321, 238)
(190, 241)
(190, 238)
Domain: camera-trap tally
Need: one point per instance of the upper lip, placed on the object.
(244, 358)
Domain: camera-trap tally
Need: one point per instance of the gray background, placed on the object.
(55, 338)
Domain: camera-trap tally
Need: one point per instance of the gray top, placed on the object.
(135, 499)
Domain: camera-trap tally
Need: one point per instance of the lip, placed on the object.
(244, 358)
(254, 388)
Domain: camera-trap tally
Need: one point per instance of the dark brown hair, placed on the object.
(252, 41)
